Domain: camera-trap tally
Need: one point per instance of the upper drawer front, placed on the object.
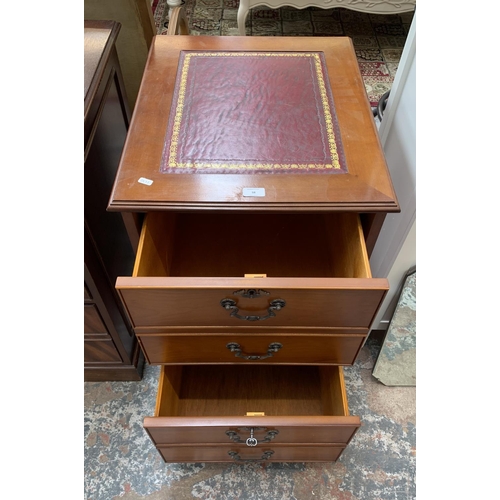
(192, 270)
(300, 302)
(251, 348)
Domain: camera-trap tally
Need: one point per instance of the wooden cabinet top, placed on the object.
(143, 184)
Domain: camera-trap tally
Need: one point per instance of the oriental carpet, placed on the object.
(378, 39)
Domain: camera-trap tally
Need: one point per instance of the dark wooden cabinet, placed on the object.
(111, 351)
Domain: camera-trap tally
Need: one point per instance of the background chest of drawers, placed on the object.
(252, 306)
(111, 352)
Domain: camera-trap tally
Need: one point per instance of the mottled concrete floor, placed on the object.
(379, 464)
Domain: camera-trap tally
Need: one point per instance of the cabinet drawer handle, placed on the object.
(252, 441)
(274, 305)
(265, 456)
(238, 353)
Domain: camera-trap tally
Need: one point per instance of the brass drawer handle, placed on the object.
(265, 456)
(252, 441)
(238, 353)
(274, 305)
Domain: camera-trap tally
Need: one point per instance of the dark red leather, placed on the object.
(244, 112)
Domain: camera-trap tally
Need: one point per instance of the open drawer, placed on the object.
(190, 273)
(238, 413)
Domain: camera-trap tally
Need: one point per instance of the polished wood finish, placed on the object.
(111, 352)
(306, 349)
(92, 320)
(212, 430)
(236, 390)
(366, 187)
(317, 263)
(306, 405)
(307, 241)
(306, 245)
(106, 122)
(283, 453)
(100, 352)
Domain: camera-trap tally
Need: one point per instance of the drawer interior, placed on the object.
(215, 390)
(232, 245)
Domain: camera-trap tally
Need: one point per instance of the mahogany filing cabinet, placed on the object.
(257, 164)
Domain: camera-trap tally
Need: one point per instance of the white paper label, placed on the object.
(143, 180)
(254, 192)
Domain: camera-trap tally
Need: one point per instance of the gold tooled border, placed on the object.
(172, 163)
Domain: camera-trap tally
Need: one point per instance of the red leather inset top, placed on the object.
(252, 112)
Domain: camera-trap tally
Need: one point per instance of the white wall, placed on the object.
(395, 251)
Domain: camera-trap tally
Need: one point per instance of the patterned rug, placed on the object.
(378, 39)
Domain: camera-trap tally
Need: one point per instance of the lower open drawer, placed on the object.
(228, 413)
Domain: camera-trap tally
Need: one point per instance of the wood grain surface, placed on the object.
(366, 187)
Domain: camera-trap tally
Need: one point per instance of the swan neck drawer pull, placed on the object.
(238, 353)
(265, 456)
(252, 441)
(274, 305)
